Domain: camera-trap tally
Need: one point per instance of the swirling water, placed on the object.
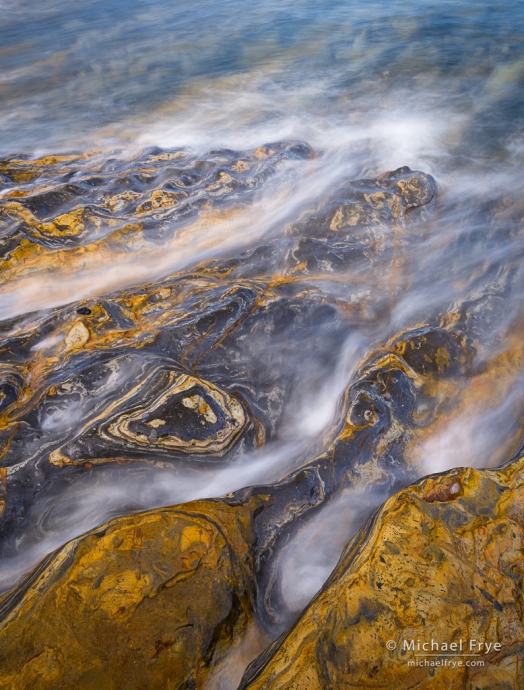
(370, 87)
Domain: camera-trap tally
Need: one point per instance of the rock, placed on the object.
(198, 370)
(427, 595)
(147, 601)
(159, 599)
(93, 391)
(77, 336)
(115, 205)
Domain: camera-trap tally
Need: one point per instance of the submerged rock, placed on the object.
(199, 369)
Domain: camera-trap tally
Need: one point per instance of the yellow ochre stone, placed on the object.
(77, 336)
(439, 564)
(158, 599)
(152, 600)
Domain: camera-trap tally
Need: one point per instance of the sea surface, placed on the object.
(370, 86)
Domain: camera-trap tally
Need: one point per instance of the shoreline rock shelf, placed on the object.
(167, 594)
(196, 373)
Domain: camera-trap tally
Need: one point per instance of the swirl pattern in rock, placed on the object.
(196, 372)
(197, 369)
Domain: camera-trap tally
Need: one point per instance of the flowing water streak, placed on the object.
(211, 236)
(371, 87)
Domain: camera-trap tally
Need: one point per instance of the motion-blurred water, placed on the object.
(415, 82)
(371, 86)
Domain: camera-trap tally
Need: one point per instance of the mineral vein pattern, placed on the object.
(198, 373)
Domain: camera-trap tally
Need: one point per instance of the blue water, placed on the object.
(76, 76)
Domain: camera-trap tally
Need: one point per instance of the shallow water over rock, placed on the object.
(259, 271)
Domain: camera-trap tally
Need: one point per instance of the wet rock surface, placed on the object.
(198, 373)
(427, 595)
(201, 368)
(152, 600)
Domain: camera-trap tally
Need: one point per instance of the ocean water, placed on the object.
(370, 86)
(417, 82)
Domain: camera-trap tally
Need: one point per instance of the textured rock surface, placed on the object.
(148, 601)
(200, 369)
(196, 373)
(158, 599)
(441, 561)
(86, 209)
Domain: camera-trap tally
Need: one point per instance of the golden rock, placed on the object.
(152, 600)
(428, 595)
